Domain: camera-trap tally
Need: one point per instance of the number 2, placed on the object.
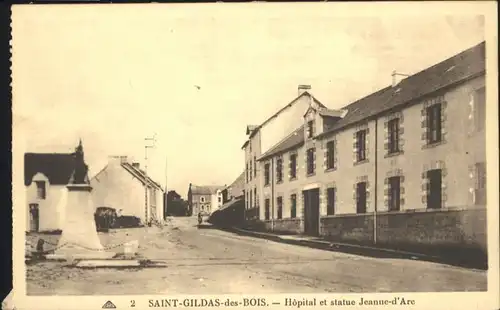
(132, 303)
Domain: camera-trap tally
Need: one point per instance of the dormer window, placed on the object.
(310, 129)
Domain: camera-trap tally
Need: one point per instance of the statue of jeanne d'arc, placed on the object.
(80, 172)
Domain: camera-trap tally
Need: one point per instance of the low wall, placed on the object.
(286, 226)
(449, 228)
(349, 228)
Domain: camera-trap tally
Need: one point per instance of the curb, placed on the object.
(358, 249)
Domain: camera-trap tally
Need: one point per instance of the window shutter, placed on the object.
(386, 135)
(335, 156)
(314, 160)
(367, 138)
(424, 125)
(355, 148)
(442, 125)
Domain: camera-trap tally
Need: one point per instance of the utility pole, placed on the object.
(146, 183)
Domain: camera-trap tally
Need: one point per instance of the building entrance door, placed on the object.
(311, 212)
(34, 217)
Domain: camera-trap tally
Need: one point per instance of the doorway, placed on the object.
(311, 212)
(34, 217)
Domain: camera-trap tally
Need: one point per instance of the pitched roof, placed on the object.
(57, 167)
(205, 190)
(461, 67)
(256, 129)
(239, 179)
(295, 139)
(140, 174)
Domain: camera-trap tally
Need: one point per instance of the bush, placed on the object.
(128, 221)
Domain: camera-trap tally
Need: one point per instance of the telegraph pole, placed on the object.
(146, 183)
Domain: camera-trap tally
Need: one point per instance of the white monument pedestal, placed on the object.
(79, 239)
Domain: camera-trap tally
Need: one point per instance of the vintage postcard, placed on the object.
(273, 156)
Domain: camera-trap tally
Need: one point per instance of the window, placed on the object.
(361, 197)
(255, 197)
(393, 127)
(250, 171)
(279, 169)
(202, 199)
(293, 206)
(279, 203)
(434, 123)
(311, 165)
(255, 166)
(330, 155)
(40, 189)
(394, 193)
(246, 200)
(310, 129)
(220, 199)
(293, 166)
(434, 191)
(480, 108)
(330, 201)
(250, 199)
(361, 145)
(267, 207)
(480, 186)
(266, 174)
(250, 146)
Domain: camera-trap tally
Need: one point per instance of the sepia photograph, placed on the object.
(206, 149)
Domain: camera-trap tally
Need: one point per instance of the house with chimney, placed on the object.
(404, 166)
(121, 185)
(45, 178)
(262, 137)
(204, 199)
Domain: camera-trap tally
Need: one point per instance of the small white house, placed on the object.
(45, 178)
(121, 185)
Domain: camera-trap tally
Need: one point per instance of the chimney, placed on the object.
(136, 165)
(397, 77)
(303, 88)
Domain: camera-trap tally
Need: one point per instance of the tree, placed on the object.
(175, 205)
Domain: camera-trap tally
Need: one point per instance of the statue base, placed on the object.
(79, 239)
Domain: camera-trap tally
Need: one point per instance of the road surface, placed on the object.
(209, 261)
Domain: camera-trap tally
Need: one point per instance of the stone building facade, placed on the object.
(404, 165)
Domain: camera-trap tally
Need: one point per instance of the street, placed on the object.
(209, 261)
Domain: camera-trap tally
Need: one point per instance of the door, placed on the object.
(361, 197)
(434, 191)
(34, 217)
(311, 212)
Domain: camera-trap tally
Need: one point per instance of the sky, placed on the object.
(113, 75)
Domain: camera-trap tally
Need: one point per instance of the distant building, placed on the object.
(121, 185)
(45, 177)
(204, 199)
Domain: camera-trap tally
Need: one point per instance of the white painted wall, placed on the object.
(51, 212)
(116, 188)
(282, 125)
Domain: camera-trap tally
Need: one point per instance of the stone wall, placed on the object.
(348, 228)
(452, 228)
(286, 226)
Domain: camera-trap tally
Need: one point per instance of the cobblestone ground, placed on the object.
(208, 261)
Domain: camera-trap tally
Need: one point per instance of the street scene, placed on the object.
(251, 153)
(217, 262)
